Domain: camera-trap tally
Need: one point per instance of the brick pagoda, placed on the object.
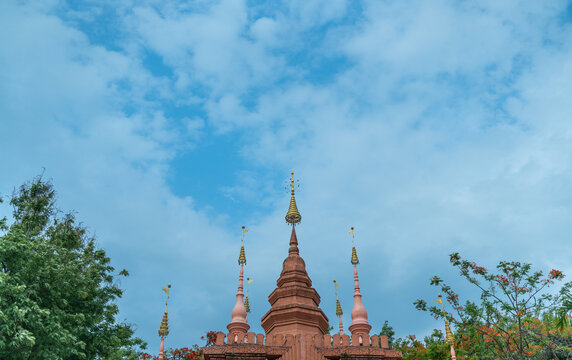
(295, 327)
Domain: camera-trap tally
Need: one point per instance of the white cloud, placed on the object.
(446, 129)
(63, 99)
(207, 48)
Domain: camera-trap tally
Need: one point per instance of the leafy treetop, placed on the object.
(57, 289)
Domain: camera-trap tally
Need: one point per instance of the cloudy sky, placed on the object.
(431, 127)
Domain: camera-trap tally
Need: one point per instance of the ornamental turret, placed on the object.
(164, 328)
(246, 301)
(449, 337)
(339, 311)
(238, 325)
(360, 327)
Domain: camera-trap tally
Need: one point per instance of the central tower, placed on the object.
(294, 303)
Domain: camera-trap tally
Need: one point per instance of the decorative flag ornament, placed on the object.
(164, 328)
(339, 311)
(293, 215)
(242, 256)
(355, 259)
(246, 302)
(449, 337)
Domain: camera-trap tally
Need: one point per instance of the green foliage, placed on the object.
(518, 317)
(57, 289)
(329, 329)
(433, 347)
(387, 330)
(185, 353)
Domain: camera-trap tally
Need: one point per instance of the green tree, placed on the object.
(388, 331)
(517, 318)
(433, 347)
(57, 289)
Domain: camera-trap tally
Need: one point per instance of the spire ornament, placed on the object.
(354, 259)
(360, 327)
(449, 334)
(246, 302)
(449, 337)
(164, 328)
(239, 321)
(242, 255)
(339, 311)
(293, 215)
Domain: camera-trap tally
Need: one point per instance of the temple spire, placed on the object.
(339, 311)
(294, 303)
(246, 301)
(360, 326)
(354, 260)
(293, 250)
(238, 324)
(164, 328)
(242, 255)
(449, 337)
(293, 215)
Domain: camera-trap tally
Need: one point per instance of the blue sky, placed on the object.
(431, 127)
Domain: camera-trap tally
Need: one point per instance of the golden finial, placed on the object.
(339, 311)
(246, 302)
(164, 328)
(293, 216)
(354, 259)
(242, 256)
(450, 338)
(449, 334)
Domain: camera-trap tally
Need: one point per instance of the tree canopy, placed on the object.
(519, 316)
(57, 289)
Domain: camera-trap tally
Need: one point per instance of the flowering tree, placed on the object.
(518, 318)
(177, 354)
(433, 347)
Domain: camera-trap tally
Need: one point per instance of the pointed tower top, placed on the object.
(354, 259)
(339, 311)
(239, 323)
(293, 250)
(246, 302)
(242, 256)
(450, 338)
(359, 325)
(293, 215)
(449, 334)
(164, 328)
